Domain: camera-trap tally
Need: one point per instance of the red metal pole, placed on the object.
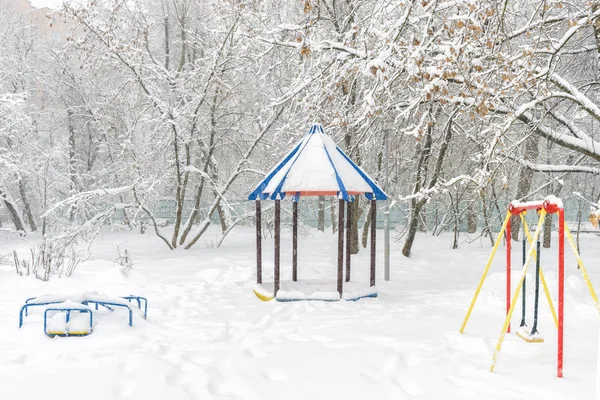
(508, 266)
(561, 288)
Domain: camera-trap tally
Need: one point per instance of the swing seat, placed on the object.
(524, 334)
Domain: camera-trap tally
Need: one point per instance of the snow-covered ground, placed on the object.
(208, 336)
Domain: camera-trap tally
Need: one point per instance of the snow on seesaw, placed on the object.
(208, 336)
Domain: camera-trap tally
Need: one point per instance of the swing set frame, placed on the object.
(551, 205)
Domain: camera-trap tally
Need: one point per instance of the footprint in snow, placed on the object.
(275, 375)
(19, 359)
(321, 339)
(131, 364)
(254, 352)
(408, 386)
(125, 388)
(337, 345)
(177, 378)
(198, 359)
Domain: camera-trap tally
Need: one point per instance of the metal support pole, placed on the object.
(537, 290)
(277, 246)
(258, 246)
(295, 241)
(340, 272)
(561, 289)
(373, 238)
(524, 292)
(485, 271)
(348, 238)
(386, 215)
(508, 267)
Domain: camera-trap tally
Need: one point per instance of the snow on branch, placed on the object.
(577, 96)
(87, 196)
(440, 187)
(589, 148)
(554, 168)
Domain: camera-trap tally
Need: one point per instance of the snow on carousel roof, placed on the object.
(316, 167)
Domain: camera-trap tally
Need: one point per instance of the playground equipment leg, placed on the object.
(277, 247)
(348, 239)
(485, 272)
(258, 244)
(524, 293)
(516, 295)
(542, 277)
(537, 290)
(340, 260)
(561, 289)
(373, 239)
(294, 241)
(508, 266)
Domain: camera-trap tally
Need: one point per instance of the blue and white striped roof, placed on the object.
(316, 167)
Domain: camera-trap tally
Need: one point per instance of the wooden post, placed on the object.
(348, 238)
(295, 241)
(340, 279)
(277, 246)
(258, 244)
(373, 238)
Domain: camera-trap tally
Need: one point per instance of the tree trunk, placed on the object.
(486, 219)
(365, 232)
(595, 6)
(13, 212)
(72, 152)
(547, 240)
(423, 220)
(356, 213)
(412, 227)
(26, 205)
(525, 181)
(222, 216)
(333, 218)
(547, 231)
(456, 230)
(321, 214)
(472, 217)
(220, 211)
(424, 153)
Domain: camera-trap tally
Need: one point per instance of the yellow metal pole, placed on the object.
(487, 268)
(542, 277)
(586, 277)
(517, 292)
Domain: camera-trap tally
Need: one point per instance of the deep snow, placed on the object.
(208, 336)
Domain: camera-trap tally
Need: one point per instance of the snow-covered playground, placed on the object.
(208, 336)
